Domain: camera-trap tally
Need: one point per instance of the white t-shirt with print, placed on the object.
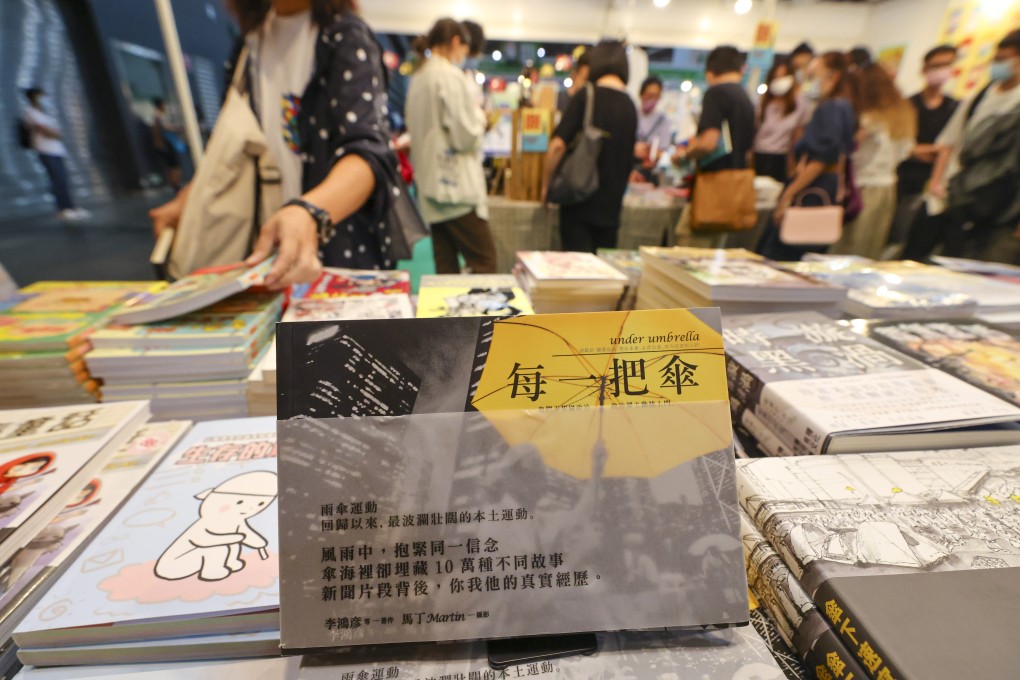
(283, 59)
(49, 146)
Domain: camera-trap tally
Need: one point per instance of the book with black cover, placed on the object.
(912, 557)
(804, 384)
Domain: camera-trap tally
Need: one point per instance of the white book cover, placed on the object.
(380, 306)
(198, 540)
(563, 266)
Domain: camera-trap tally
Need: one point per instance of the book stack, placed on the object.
(44, 330)
(194, 366)
(803, 384)
(569, 282)
(36, 566)
(335, 283)
(994, 271)
(627, 262)
(261, 383)
(906, 558)
(736, 280)
(887, 290)
(455, 295)
(186, 569)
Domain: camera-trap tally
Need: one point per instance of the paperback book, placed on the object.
(334, 283)
(814, 386)
(503, 449)
(912, 557)
(193, 552)
(471, 295)
(569, 282)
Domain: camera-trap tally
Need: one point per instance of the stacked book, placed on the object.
(44, 330)
(193, 366)
(628, 262)
(569, 282)
(737, 281)
(335, 295)
(803, 384)
(889, 290)
(52, 464)
(891, 565)
(187, 569)
(454, 295)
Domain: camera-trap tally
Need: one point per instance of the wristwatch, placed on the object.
(323, 222)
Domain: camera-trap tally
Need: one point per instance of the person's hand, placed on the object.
(642, 150)
(781, 207)
(545, 196)
(680, 156)
(293, 232)
(938, 190)
(166, 215)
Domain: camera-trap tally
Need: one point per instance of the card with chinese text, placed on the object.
(524, 476)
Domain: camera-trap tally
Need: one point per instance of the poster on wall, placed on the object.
(976, 27)
(891, 58)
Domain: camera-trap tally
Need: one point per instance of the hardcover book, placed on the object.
(490, 471)
(193, 552)
(471, 295)
(983, 355)
(818, 387)
(910, 556)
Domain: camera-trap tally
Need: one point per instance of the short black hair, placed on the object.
(33, 92)
(158, 102)
(1011, 41)
(649, 81)
(476, 35)
(803, 48)
(724, 59)
(939, 50)
(860, 57)
(583, 61)
(445, 30)
(608, 58)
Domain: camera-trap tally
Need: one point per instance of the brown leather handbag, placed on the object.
(724, 201)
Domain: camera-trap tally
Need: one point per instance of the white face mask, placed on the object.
(781, 86)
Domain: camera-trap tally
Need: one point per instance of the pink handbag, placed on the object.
(818, 225)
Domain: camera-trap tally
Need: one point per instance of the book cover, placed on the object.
(990, 294)
(866, 535)
(626, 261)
(471, 295)
(490, 472)
(45, 332)
(192, 552)
(46, 297)
(192, 293)
(734, 653)
(246, 669)
(44, 453)
(390, 306)
(811, 381)
(336, 282)
(797, 620)
(550, 266)
(24, 578)
(983, 355)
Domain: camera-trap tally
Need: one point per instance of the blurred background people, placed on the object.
(934, 109)
(578, 79)
(887, 132)
(168, 144)
(595, 223)
(45, 139)
(781, 113)
(654, 130)
(800, 59)
(447, 125)
(820, 154)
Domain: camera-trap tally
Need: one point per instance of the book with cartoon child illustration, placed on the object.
(47, 455)
(193, 552)
(27, 576)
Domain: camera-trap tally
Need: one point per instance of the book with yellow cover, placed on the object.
(81, 296)
(471, 295)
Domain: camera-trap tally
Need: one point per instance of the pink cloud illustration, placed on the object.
(139, 583)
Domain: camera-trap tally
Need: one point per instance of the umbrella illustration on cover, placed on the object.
(598, 411)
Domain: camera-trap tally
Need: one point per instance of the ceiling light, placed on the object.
(763, 88)
(540, 52)
(480, 78)
(660, 3)
(743, 6)
(497, 56)
(686, 86)
(568, 83)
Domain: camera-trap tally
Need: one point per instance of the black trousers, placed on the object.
(579, 236)
(774, 165)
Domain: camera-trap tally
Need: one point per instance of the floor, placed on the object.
(113, 245)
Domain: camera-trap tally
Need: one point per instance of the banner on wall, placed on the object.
(976, 27)
(761, 56)
(891, 58)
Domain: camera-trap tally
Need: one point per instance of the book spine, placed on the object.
(854, 635)
(827, 657)
(284, 371)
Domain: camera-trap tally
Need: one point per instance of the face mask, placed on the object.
(801, 75)
(781, 86)
(1001, 70)
(939, 76)
(648, 105)
(812, 89)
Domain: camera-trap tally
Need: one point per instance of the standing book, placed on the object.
(192, 553)
(490, 484)
(815, 386)
(48, 455)
(912, 557)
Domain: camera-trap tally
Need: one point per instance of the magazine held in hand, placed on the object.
(466, 478)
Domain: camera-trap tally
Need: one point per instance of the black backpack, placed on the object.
(24, 134)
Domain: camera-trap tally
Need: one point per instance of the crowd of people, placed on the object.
(832, 128)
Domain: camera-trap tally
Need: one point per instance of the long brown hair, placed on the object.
(789, 100)
(251, 13)
(878, 98)
(838, 64)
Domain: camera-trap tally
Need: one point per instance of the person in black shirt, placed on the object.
(934, 109)
(595, 223)
(726, 108)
